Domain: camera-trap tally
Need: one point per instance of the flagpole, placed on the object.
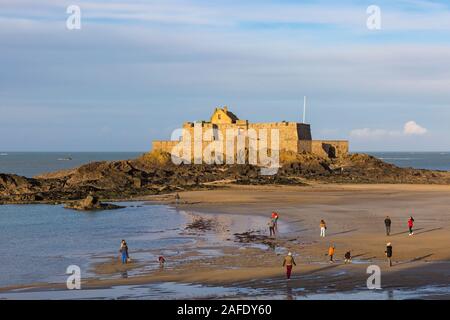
(304, 109)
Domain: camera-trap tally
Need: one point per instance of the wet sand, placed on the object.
(355, 218)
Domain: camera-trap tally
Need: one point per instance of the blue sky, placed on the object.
(137, 69)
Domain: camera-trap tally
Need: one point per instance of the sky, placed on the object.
(136, 70)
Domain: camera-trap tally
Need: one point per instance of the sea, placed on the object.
(39, 242)
(29, 164)
(417, 160)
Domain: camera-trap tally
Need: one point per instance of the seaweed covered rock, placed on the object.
(91, 203)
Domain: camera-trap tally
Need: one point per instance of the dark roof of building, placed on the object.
(231, 115)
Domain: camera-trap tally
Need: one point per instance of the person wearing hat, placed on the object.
(289, 262)
(388, 253)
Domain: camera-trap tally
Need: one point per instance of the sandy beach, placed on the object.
(354, 215)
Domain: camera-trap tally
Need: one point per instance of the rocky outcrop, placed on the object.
(155, 174)
(91, 203)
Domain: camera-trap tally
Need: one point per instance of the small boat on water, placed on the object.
(65, 159)
(3, 154)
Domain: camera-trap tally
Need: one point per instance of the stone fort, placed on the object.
(293, 137)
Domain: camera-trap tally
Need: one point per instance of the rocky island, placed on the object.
(154, 173)
(302, 161)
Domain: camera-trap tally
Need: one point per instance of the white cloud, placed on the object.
(412, 128)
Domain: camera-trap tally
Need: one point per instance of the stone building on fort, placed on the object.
(293, 137)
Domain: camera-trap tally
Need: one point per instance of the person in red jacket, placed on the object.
(411, 225)
(275, 220)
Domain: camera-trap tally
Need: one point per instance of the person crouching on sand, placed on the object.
(124, 251)
(323, 227)
(288, 262)
(331, 251)
(388, 253)
(411, 225)
(348, 257)
(161, 260)
(271, 224)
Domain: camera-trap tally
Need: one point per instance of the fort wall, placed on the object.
(329, 148)
(293, 137)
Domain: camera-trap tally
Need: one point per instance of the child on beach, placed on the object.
(331, 251)
(288, 262)
(411, 225)
(348, 257)
(124, 251)
(323, 227)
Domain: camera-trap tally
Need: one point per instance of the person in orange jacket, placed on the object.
(331, 251)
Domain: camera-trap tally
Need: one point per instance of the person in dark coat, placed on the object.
(387, 223)
(388, 253)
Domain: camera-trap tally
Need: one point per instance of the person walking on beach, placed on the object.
(177, 199)
(124, 251)
(288, 262)
(387, 223)
(271, 224)
(275, 217)
(331, 251)
(388, 253)
(323, 227)
(348, 257)
(411, 225)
